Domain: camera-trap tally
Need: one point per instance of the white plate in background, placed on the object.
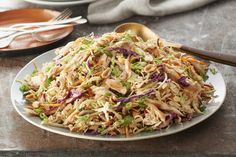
(60, 2)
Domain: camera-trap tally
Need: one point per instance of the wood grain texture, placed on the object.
(211, 27)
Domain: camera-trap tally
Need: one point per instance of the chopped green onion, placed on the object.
(205, 77)
(213, 71)
(109, 54)
(43, 116)
(139, 51)
(49, 67)
(128, 36)
(34, 72)
(83, 65)
(128, 106)
(171, 56)
(87, 41)
(100, 130)
(202, 108)
(116, 71)
(126, 84)
(107, 94)
(149, 129)
(24, 88)
(126, 121)
(138, 66)
(141, 102)
(157, 61)
(84, 118)
(38, 110)
(48, 81)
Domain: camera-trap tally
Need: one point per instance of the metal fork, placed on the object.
(63, 15)
(54, 36)
(7, 41)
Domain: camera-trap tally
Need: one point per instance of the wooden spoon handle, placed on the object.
(223, 58)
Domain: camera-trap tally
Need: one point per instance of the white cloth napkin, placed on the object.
(108, 11)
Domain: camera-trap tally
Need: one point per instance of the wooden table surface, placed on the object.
(212, 27)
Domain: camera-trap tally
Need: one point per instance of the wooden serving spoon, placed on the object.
(145, 33)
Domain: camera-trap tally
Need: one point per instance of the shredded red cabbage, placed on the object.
(182, 81)
(188, 117)
(124, 100)
(51, 108)
(161, 67)
(157, 77)
(72, 95)
(89, 64)
(44, 95)
(124, 51)
(171, 116)
(64, 98)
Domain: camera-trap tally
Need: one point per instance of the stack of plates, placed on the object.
(60, 2)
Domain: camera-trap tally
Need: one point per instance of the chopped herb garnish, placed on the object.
(49, 67)
(107, 94)
(213, 71)
(109, 54)
(116, 71)
(128, 105)
(100, 130)
(202, 108)
(157, 61)
(126, 121)
(43, 116)
(88, 41)
(149, 129)
(126, 84)
(205, 77)
(138, 66)
(98, 51)
(24, 88)
(84, 118)
(128, 36)
(38, 110)
(171, 56)
(141, 102)
(34, 72)
(84, 65)
(48, 81)
(139, 51)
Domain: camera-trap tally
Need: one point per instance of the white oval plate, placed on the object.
(60, 3)
(18, 103)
